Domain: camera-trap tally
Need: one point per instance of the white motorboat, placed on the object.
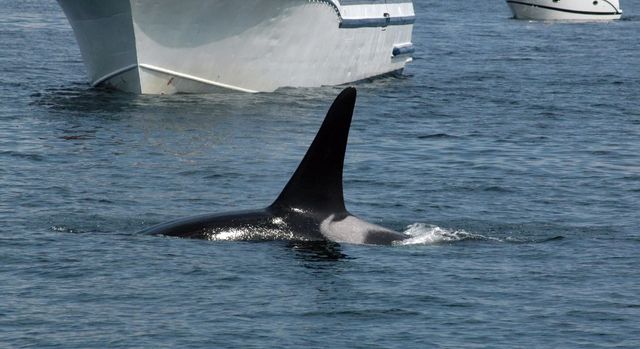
(585, 10)
(193, 46)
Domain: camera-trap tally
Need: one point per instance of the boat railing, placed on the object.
(615, 8)
(333, 4)
(384, 21)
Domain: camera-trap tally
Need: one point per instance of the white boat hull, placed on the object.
(579, 10)
(193, 46)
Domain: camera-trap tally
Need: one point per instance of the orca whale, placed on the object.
(309, 208)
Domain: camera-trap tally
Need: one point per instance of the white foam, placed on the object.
(428, 234)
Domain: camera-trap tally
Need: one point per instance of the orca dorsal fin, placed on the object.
(317, 183)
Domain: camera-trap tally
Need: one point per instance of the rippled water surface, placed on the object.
(510, 150)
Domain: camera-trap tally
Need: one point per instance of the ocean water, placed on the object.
(510, 150)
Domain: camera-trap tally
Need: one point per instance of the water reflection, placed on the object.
(317, 251)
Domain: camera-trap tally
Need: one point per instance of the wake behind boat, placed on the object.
(585, 10)
(193, 46)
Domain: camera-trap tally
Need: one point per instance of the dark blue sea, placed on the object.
(509, 149)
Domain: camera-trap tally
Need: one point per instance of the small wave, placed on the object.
(497, 189)
(436, 136)
(554, 238)
(630, 18)
(65, 229)
(427, 234)
(20, 155)
(77, 137)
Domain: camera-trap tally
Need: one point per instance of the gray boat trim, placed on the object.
(350, 23)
